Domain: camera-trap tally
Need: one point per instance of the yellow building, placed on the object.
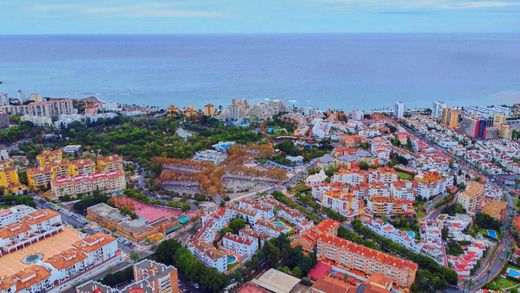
(109, 163)
(9, 180)
(82, 167)
(506, 131)
(49, 156)
(499, 119)
(172, 111)
(450, 118)
(209, 110)
(190, 112)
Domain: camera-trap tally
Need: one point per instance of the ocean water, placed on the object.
(367, 71)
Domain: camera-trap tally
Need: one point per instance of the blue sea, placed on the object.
(367, 71)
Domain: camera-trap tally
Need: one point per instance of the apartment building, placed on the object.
(430, 184)
(149, 276)
(32, 279)
(383, 206)
(73, 185)
(351, 256)
(471, 198)
(309, 238)
(109, 163)
(51, 164)
(50, 108)
(243, 246)
(9, 180)
(14, 214)
(269, 228)
(344, 203)
(209, 255)
(18, 232)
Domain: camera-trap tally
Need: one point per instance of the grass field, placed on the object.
(404, 176)
(502, 283)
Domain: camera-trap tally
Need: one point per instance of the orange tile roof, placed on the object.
(494, 208)
(327, 225)
(367, 252)
(39, 216)
(30, 276)
(94, 242)
(328, 284)
(13, 229)
(66, 258)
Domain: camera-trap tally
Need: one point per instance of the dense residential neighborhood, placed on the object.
(102, 197)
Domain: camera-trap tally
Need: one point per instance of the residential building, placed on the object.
(108, 182)
(4, 120)
(243, 246)
(209, 110)
(399, 110)
(309, 238)
(50, 108)
(351, 256)
(383, 206)
(471, 197)
(34, 226)
(344, 203)
(438, 107)
(149, 276)
(430, 184)
(495, 209)
(450, 118)
(209, 255)
(9, 180)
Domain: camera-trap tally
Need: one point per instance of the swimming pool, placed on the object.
(279, 224)
(32, 258)
(231, 259)
(513, 272)
(411, 234)
(492, 234)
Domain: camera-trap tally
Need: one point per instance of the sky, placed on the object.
(257, 16)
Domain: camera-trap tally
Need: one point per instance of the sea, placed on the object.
(339, 71)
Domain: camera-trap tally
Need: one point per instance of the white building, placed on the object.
(243, 246)
(399, 110)
(438, 106)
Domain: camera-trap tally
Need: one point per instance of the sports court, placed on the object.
(13, 262)
(148, 212)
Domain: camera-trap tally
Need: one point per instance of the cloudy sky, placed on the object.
(257, 16)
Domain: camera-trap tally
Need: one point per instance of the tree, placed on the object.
(237, 224)
(363, 165)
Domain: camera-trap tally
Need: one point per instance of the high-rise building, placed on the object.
(4, 99)
(209, 110)
(506, 131)
(51, 108)
(450, 118)
(469, 126)
(438, 107)
(357, 114)
(499, 119)
(399, 110)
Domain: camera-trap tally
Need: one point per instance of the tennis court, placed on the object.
(13, 262)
